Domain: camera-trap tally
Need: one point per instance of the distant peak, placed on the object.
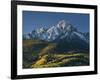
(62, 21)
(61, 24)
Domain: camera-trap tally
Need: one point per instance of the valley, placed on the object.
(40, 54)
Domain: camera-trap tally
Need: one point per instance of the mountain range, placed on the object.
(64, 34)
(63, 30)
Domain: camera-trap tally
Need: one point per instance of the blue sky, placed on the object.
(33, 20)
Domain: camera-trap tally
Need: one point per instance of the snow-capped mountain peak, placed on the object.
(61, 24)
(62, 30)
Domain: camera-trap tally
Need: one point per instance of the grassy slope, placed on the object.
(38, 54)
(61, 60)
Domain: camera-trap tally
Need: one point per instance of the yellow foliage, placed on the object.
(40, 62)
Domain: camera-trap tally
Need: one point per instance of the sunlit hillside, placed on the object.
(41, 54)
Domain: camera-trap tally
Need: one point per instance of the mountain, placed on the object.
(63, 30)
